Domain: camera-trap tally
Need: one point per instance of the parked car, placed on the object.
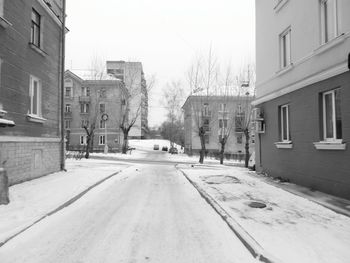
(165, 148)
(156, 147)
(251, 163)
(173, 150)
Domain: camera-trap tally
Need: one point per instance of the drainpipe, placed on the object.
(63, 39)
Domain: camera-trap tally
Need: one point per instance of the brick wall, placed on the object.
(28, 160)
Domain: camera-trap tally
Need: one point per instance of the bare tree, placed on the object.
(132, 101)
(173, 98)
(246, 93)
(203, 80)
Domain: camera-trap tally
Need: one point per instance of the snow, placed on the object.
(29, 201)
(152, 215)
(291, 228)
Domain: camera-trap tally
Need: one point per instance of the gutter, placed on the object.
(63, 39)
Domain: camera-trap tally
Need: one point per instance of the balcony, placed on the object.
(84, 99)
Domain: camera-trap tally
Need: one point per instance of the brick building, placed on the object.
(131, 73)
(219, 115)
(86, 100)
(30, 59)
(303, 94)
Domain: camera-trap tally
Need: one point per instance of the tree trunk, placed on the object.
(125, 141)
(222, 151)
(246, 161)
(202, 139)
(87, 149)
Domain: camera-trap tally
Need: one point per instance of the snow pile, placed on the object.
(290, 227)
(34, 199)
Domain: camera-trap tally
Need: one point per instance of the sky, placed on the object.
(166, 36)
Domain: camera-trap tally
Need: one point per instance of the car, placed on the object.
(251, 162)
(165, 148)
(156, 147)
(173, 150)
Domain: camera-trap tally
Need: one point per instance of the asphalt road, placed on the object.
(154, 215)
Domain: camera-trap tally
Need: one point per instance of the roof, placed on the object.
(83, 74)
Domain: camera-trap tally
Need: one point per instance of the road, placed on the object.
(153, 214)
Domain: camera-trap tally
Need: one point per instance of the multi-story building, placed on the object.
(131, 73)
(86, 101)
(303, 95)
(219, 115)
(30, 59)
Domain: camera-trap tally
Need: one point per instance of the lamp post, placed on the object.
(105, 118)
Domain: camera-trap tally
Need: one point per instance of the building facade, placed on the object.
(303, 95)
(219, 115)
(86, 102)
(131, 73)
(30, 59)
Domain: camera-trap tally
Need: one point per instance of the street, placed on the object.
(153, 215)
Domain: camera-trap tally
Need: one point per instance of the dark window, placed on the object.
(35, 28)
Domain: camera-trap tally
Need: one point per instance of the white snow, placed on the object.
(29, 201)
(292, 228)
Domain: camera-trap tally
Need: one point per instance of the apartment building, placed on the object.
(219, 115)
(30, 59)
(303, 95)
(87, 103)
(132, 75)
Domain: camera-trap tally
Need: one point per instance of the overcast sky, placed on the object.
(164, 35)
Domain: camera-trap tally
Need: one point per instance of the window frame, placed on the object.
(84, 108)
(325, 37)
(104, 107)
(102, 124)
(68, 108)
(285, 57)
(282, 137)
(36, 29)
(66, 94)
(38, 113)
(101, 138)
(83, 140)
(334, 120)
(67, 122)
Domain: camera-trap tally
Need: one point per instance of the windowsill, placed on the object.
(38, 50)
(279, 5)
(330, 44)
(284, 70)
(284, 145)
(4, 23)
(324, 145)
(6, 123)
(35, 118)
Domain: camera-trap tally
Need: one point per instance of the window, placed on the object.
(102, 124)
(67, 124)
(284, 123)
(222, 123)
(239, 138)
(84, 108)
(68, 92)
(206, 138)
(35, 28)
(35, 96)
(102, 108)
(329, 20)
(332, 123)
(83, 139)
(223, 107)
(102, 93)
(84, 123)
(206, 124)
(85, 91)
(206, 111)
(101, 140)
(68, 108)
(285, 48)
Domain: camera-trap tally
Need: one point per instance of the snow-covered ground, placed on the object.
(34, 199)
(292, 228)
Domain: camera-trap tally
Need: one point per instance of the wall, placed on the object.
(325, 170)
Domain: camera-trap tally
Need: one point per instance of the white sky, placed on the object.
(164, 35)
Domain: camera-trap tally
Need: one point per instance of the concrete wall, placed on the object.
(325, 170)
(308, 55)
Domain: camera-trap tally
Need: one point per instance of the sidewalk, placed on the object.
(291, 228)
(33, 200)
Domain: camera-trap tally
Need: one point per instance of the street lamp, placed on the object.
(105, 118)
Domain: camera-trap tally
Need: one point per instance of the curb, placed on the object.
(248, 241)
(67, 203)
